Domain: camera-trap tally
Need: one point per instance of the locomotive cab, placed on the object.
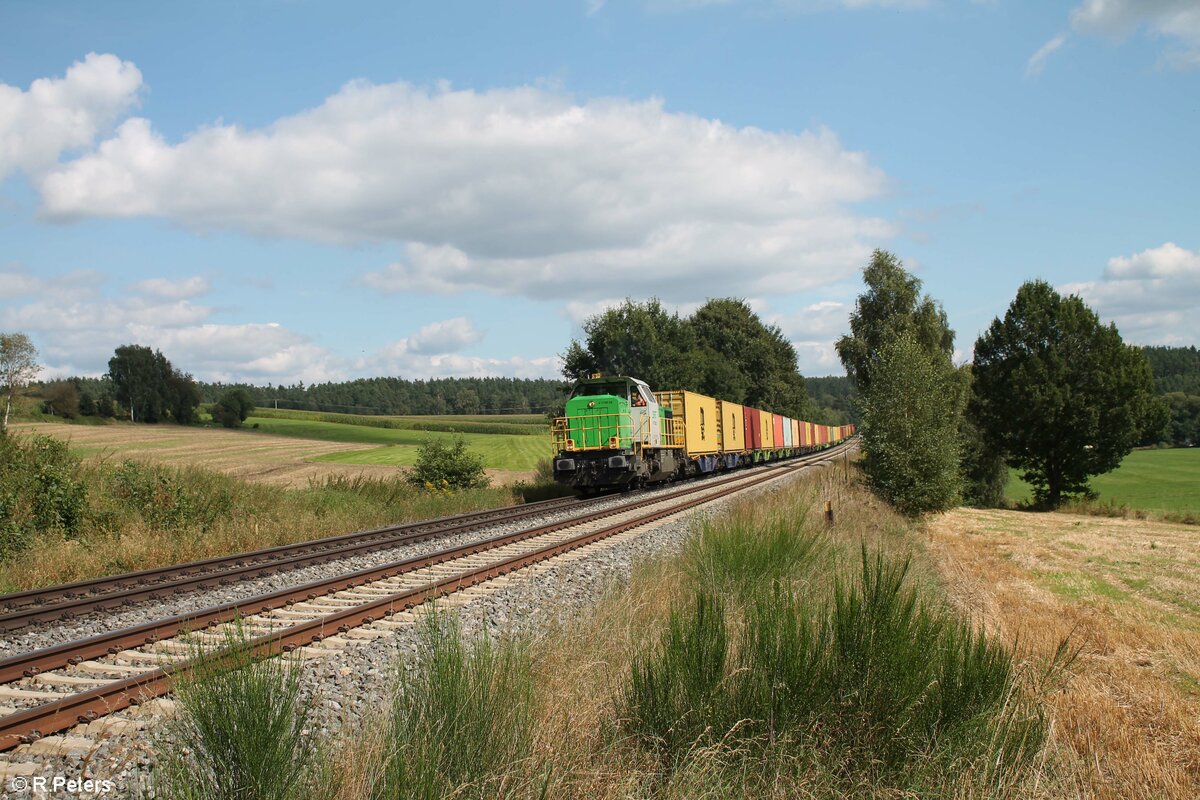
(613, 435)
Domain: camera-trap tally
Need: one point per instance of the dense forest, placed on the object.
(834, 399)
(1177, 378)
(362, 396)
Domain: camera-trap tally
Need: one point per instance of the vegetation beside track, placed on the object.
(774, 657)
(62, 519)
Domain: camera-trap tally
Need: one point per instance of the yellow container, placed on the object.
(733, 427)
(796, 440)
(701, 420)
(766, 424)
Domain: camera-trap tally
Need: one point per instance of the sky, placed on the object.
(276, 191)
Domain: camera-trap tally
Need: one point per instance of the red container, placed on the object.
(753, 431)
(777, 423)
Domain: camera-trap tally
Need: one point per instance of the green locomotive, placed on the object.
(615, 434)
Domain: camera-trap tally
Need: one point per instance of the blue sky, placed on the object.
(282, 191)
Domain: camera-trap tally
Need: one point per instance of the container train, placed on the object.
(618, 434)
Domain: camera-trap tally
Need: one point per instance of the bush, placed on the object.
(869, 675)
(171, 499)
(441, 467)
(40, 490)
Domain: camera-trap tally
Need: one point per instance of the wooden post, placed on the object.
(828, 512)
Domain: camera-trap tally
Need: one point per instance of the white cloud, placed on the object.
(59, 114)
(76, 328)
(448, 336)
(181, 289)
(813, 331)
(1153, 296)
(1037, 61)
(1175, 20)
(15, 281)
(511, 191)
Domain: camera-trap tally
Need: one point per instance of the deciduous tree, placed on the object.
(18, 366)
(891, 306)
(910, 426)
(1059, 393)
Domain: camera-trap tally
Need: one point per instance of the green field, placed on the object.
(398, 446)
(1151, 480)
(517, 424)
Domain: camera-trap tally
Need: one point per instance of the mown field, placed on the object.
(1124, 593)
(1148, 480)
(291, 448)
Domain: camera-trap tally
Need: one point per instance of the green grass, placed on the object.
(1149, 480)
(399, 446)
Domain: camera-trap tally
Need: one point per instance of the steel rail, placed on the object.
(33, 723)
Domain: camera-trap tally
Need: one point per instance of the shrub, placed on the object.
(450, 467)
(869, 678)
(40, 490)
(170, 498)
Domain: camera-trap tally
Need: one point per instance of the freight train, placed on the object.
(618, 434)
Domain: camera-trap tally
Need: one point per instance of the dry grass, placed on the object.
(246, 454)
(1127, 725)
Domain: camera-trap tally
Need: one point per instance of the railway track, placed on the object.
(51, 690)
(65, 601)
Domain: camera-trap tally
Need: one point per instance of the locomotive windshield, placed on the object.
(615, 388)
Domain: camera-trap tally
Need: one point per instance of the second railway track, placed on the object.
(65, 601)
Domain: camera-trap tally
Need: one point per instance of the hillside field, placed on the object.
(1149, 480)
(296, 447)
(398, 447)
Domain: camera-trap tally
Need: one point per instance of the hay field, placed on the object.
(247, 454)
(1127, 593)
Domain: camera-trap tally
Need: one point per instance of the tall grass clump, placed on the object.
(735, 556)
(244, 730)
(675, 695)
(41, 489)
(462, 722)
(868, 682)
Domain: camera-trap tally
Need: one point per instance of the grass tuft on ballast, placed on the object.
(461, 724)
(244, 728)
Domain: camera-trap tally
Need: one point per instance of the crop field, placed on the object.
(1149, 480)
(290, 451)
(398, 446)
(1125, 595)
